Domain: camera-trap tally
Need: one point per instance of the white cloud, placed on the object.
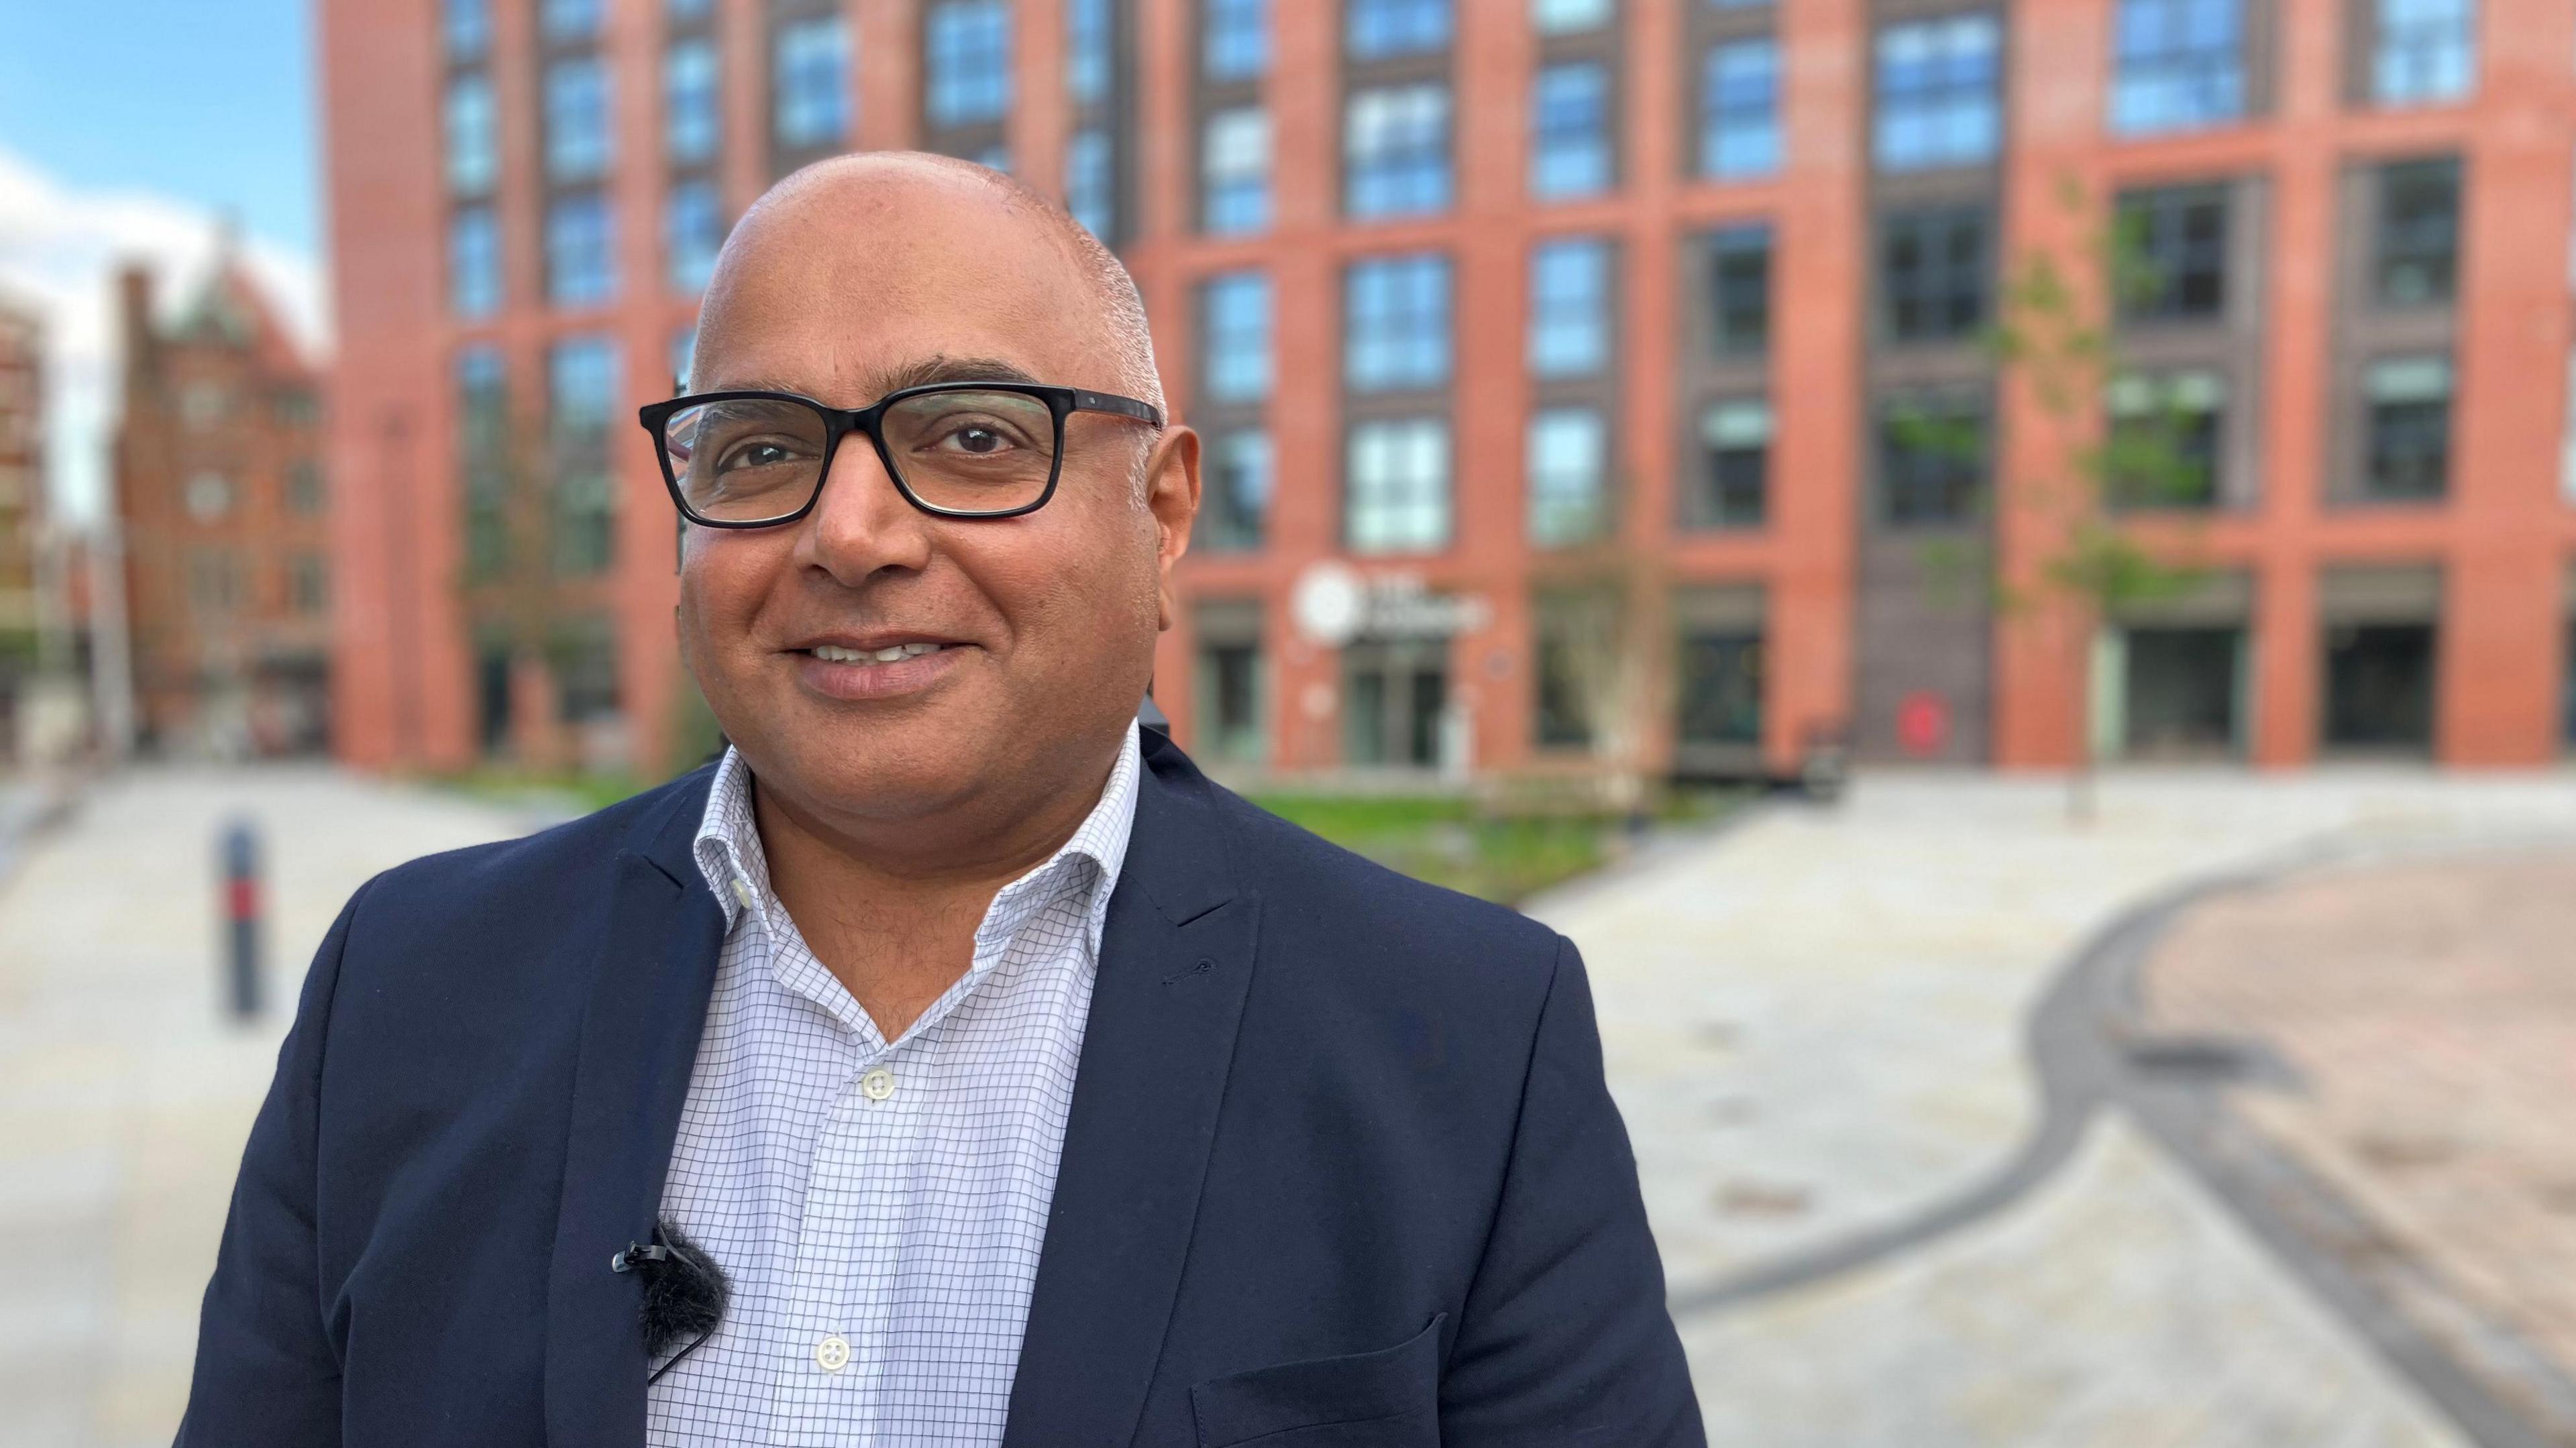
(60, 248)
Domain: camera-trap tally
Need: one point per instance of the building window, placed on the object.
(1935, 270)
(1569, 17)
(2171, 246)
(209, 495)
(2379, 686)
(1397, 495)
(2409, 429)
(1230, 683)
(1932, 458)
(1234, 172)
(473, 157)
(1238, 490)
(582, 653)
(810, 83)
(483, 454)
(569, 19)
(968, 59)
(1570, 130)
(1236, 312)
(2162, 448)
(1395, 151)
(473, 263)
(689, 114)
(1087, 53)
(307, 587)
(1234, 39)
(692, 231)
(1739, 115)
(1091, 181)
(2181, 65)
(581, 395)
(2418, 233)
(1568, 461)
(1721, 688)
(1734, 478)
(304, 488)
(581, 249)
(467, 25)
(2426, 51)
(1739, 291)
(577, 129)
(1376, 29)
(1569, 315)
(1937, 103)
(1571, 682)
(1395, 325)
(214, 580)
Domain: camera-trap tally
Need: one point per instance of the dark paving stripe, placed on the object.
(2088, 1052)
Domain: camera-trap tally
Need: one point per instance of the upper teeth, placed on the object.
(834, 653)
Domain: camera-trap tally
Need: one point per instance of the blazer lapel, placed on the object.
(639, 1044)
(1175, 964)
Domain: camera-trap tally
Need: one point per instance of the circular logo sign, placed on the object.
(1328, 604)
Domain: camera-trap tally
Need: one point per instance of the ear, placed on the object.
(1172, 496)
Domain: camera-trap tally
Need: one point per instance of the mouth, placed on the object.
(874, 667)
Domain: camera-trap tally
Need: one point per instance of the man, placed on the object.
(1020, 1086)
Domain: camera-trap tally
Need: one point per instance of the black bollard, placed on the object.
(241, 906)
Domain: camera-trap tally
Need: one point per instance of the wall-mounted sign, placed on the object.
(1332, 605)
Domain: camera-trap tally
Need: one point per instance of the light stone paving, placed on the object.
(1816, 1024)
(125, 1095)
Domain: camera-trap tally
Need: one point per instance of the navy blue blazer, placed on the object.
(1340, 1167)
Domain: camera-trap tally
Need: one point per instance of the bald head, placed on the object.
(881, 209)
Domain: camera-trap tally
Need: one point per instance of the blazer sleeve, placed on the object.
(1564, 1338)
(266, 1372)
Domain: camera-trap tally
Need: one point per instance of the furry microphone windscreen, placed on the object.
(684, 1297)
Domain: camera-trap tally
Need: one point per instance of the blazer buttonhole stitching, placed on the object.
(1203, 967)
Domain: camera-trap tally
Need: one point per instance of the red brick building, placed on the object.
(220, 501)
(22, 509)
(1590, 338)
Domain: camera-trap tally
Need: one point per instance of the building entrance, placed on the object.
(1395, 699)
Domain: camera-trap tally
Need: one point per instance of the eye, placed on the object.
(756, 453)
(974, 437)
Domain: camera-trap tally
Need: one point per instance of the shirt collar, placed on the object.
(730, 857)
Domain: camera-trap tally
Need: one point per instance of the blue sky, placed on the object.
(207, 102)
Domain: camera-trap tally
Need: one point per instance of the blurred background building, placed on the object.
(1584, 381)
(220, 513)
(22, 519)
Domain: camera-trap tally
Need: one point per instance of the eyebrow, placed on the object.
(921, 372)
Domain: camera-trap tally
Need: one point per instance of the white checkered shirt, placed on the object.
(878, 1207)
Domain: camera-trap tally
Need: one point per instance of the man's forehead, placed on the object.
(843, 294)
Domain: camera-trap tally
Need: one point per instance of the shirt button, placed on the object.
(742, 892)
(878, 1084)
(832, 1354)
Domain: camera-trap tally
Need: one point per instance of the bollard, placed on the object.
(241, 907)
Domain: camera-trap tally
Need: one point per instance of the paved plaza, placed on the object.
(1883, 1224)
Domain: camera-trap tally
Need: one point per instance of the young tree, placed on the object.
(2127, 443)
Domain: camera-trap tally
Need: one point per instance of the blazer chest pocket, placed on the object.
(1384, 1399)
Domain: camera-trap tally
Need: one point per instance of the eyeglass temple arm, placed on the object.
(1122, 406)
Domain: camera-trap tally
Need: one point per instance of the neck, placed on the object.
(891, 907)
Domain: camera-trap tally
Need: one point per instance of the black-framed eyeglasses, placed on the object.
(954, 449)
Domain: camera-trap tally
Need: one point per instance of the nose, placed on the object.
(861, 525)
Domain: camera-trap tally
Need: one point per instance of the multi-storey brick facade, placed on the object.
(22, 511)
(1587, 335)
(221, 504)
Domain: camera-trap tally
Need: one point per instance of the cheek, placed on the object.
(725, 579)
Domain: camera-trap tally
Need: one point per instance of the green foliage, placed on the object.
(1452, 841)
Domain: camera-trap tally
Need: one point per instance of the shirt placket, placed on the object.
(848, 1250)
